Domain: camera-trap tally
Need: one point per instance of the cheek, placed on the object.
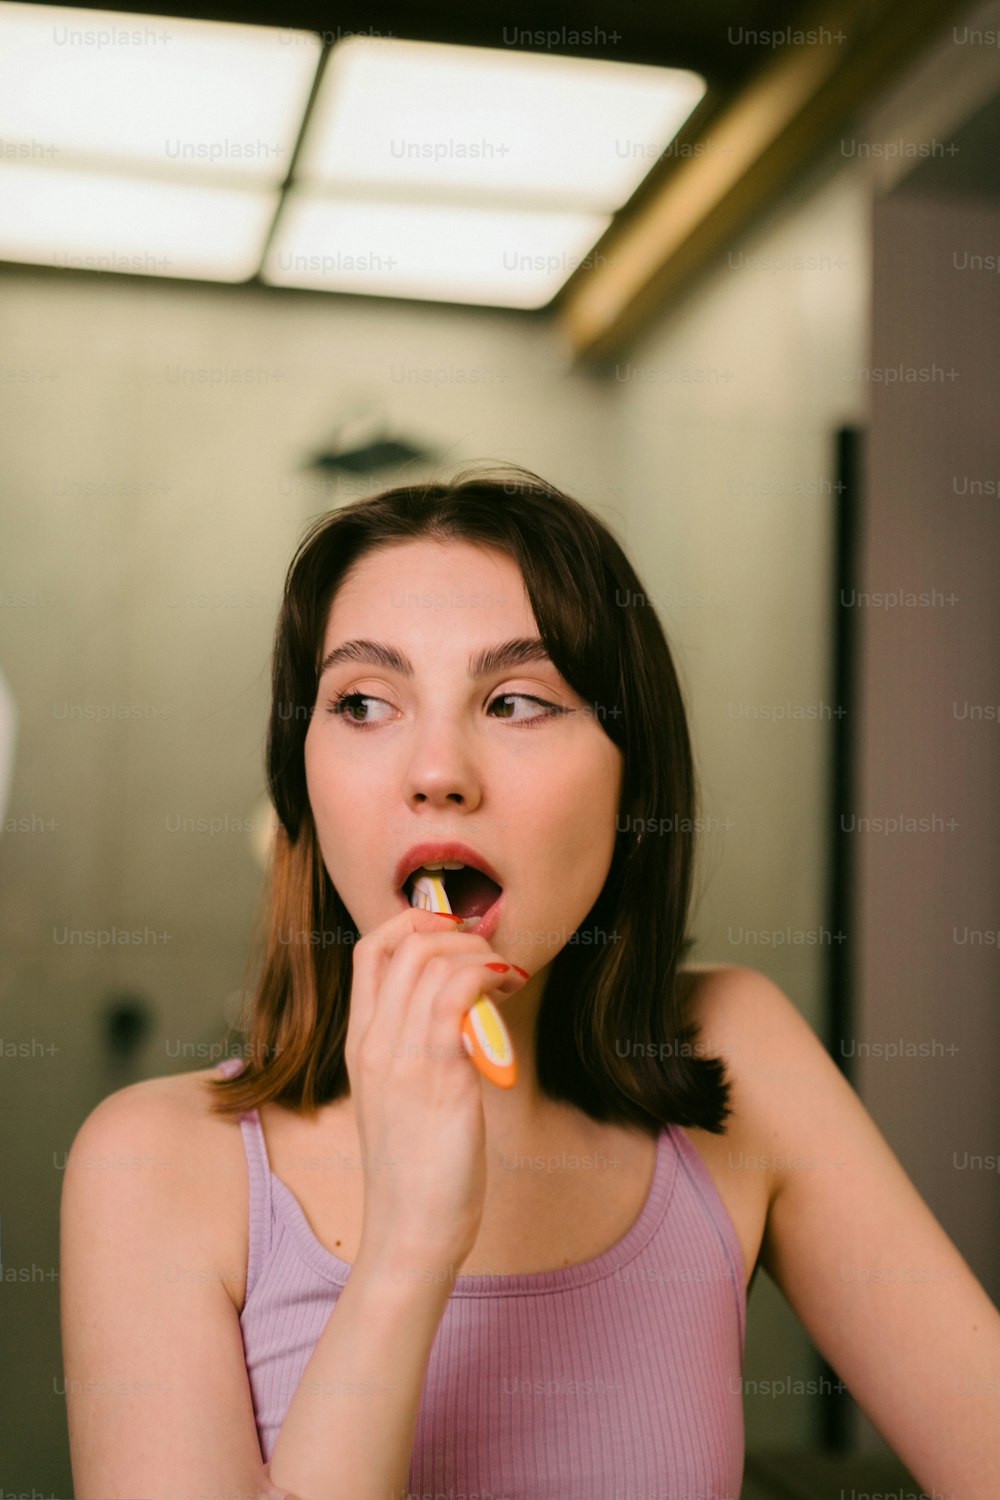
(582, 800)
(598, 776)
(321, 785)
(310, 758)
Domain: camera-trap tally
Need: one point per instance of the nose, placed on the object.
(441, 769)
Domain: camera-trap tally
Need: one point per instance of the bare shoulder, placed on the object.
(748, 1021)
(166, 1124)
(177, 1101)
(730, 1001)
(744, 1017)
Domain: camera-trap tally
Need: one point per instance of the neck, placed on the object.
(521, 1112)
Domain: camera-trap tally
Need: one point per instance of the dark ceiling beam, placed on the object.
(783, 119)
(631, 31)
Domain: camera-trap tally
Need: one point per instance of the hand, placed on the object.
(417, 1094)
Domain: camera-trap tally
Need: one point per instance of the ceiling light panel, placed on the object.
(515, 126)
(101, 222)
(491, 257)
(175, 97)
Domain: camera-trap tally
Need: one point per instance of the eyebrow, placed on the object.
(498, 658)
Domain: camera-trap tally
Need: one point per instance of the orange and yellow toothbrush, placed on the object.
(483, 1032)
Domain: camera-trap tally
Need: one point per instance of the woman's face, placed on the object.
(510, 762)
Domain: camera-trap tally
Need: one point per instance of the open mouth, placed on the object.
(470, 892)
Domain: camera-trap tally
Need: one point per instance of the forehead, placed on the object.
(412, 582)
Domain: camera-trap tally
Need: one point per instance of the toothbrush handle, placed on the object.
(488, 1043)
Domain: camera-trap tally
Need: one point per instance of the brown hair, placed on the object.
(614, 984)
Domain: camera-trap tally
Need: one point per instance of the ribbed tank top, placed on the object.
(617, 1378)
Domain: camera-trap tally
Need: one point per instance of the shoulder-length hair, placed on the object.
(614, 1035)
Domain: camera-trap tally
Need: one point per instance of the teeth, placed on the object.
(440, 865)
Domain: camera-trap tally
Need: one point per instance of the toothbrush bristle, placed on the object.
(428, 891)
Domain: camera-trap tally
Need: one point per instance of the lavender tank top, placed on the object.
(618, 1378)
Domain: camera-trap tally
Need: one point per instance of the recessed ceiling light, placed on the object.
(498, 257)
(95, 222)
(542, 131)
(91, 87)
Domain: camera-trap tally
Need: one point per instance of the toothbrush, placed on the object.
(483, 1032)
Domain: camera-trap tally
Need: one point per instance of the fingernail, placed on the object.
(523, 972)
(498, 968)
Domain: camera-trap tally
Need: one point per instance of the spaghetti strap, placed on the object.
(259, 1229)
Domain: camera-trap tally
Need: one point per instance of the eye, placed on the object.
(344, 707)
(526, 698)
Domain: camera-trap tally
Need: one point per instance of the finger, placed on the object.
(372, 954)
(379, 951)
(415, 955)
(426, 1022)
(427, 1002)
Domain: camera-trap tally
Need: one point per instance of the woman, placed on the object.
(537, 1291)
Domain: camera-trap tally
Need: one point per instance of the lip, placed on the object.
(436, 853)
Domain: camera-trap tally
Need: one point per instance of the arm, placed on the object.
(912, 1333)
(348, 1432)
(158, 1398)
